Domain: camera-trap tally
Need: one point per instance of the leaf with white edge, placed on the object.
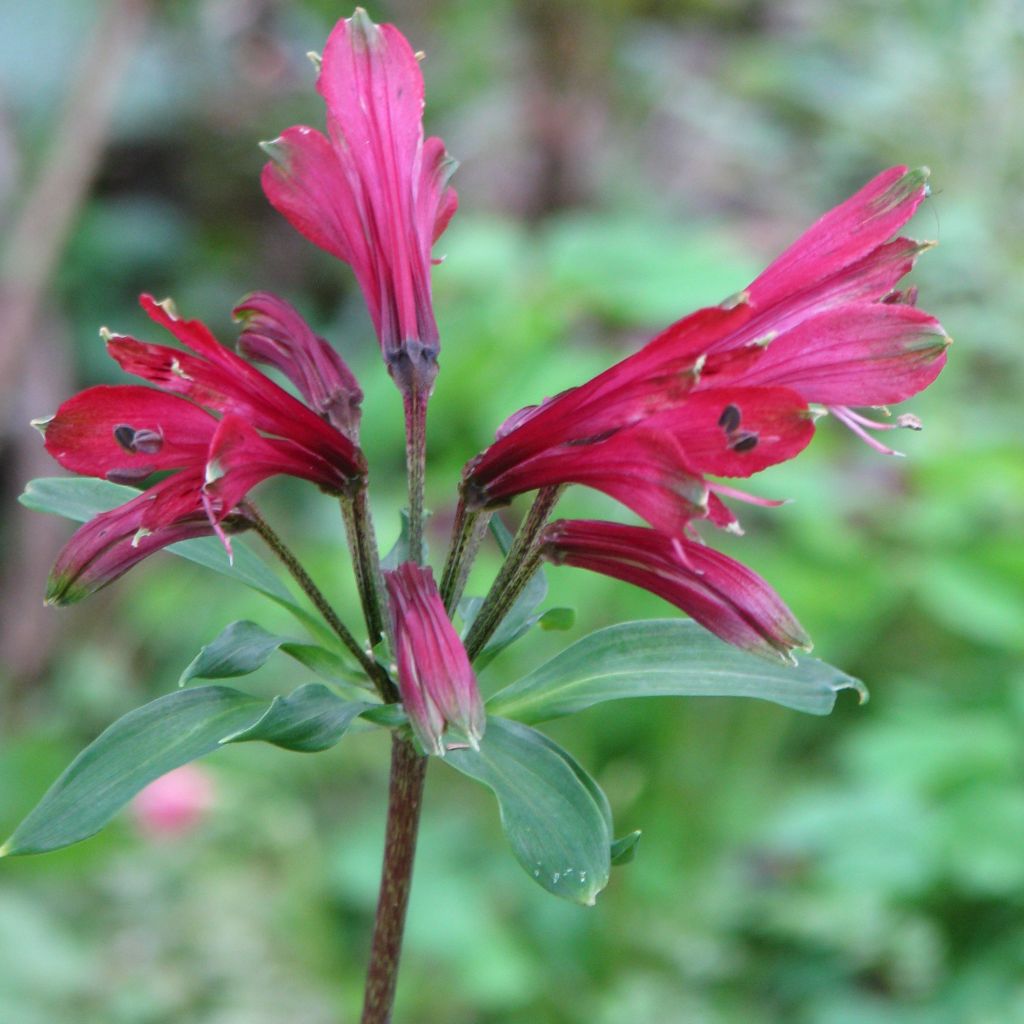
(624, 849)
(83, 498)
(554, 815)
(244, 646)
(311, 719)
(138, 748)
(662, 658)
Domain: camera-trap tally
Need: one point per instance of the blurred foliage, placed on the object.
(623, 163)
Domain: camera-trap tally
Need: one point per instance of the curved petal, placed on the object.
(127, 432)
(727, 598)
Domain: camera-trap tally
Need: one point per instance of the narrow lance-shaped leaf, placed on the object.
(138, 748)
(554, 815)
(169, 732)
(665, 657)
(243, 647)
(311, 719)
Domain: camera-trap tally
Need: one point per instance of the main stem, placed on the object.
(405, 800)
(415, 400)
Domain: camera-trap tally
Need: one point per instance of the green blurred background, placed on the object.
(623, 162)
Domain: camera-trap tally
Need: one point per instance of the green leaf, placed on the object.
(312, 718)
(557, 620)
(399, 552)
(242, 647)
(665, 657)
(554, 815)
(83, 498)
(138, 748)
(624, 849)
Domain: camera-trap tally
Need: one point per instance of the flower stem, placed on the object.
(362, 542)
(467, 534)
(521, 562)
(415, 400)
(405, 800)
(376, 672)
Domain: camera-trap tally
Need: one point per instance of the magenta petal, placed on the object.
(658, 377)
(725, 597)
(113, 542)
(435, 679)
(844, 235)
(374, 194)
(274, 332)
(222, 380)
(127, 432)
(240, 458)
(861, 354)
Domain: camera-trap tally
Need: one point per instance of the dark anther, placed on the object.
(730, 418)
(142, 442)
(743, 442)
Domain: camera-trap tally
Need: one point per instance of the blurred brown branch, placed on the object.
(31, 368)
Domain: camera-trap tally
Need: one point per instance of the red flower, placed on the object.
(725, 390)
(374, 193)
(127, 433)
(435, 679)
(719, 593)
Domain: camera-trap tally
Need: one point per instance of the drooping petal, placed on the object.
(113, 542)
(725, 597)
(436, 682)
(126, 433)
(274, 332)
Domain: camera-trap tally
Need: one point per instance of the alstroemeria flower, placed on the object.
(829, 318)
(725, 391)
(372, 192)
(220, 426)
(719, 593)
(435, 680)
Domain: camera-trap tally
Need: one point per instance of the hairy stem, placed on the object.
(521, 562)
(405, 800)
(415, 400)
(362, 542)
(467, 535)
(376, 673)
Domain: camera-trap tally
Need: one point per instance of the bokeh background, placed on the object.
(623, 161)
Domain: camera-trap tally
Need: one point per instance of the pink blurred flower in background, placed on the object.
(175, 804)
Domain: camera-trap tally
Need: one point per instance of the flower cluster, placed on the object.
(722, 394)
(727, 392)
